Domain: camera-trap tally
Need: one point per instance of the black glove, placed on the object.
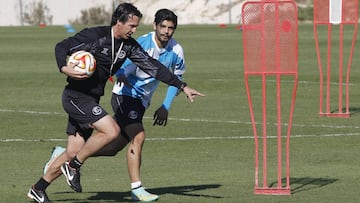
(161, 116)
(123, 80)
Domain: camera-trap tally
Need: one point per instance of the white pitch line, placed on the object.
(189, 138)
(199, 120)
(306, 82)
(284, 81)
(31, 112)
(249, 123)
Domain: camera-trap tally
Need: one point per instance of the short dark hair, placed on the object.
(165, 14)
(123, 12)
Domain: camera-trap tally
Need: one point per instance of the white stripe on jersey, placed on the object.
(142, 85)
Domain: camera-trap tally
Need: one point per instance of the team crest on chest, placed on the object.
(122, 54)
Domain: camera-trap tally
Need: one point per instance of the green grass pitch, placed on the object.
(204, 154)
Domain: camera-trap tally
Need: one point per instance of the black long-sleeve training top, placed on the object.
(98, 41)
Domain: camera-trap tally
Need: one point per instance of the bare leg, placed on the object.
(134, 156)
(75, 143)
(106, 131)
(138, 192)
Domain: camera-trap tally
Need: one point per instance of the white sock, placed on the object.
(135, 184)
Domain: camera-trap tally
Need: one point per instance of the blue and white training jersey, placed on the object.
(143, 85)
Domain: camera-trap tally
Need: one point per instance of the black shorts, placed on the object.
(83, 110)
(129, 113)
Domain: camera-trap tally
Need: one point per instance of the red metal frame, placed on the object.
(259, 61)
(321, 18)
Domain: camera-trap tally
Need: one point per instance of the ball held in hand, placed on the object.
(86, 62)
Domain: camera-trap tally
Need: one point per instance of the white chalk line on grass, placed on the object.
(199, 120)
(189, 138)
(31, 112)
(284, 81)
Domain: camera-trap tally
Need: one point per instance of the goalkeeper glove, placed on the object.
(122, 80)
(161, 116)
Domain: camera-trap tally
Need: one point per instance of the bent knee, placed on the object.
(108, 126)
(70, 153)
(113, 134)
(114, 131)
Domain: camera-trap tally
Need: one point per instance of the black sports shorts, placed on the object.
(129, 113)
(82, 110)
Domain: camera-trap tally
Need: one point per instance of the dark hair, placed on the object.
(123, 12)
(165, 14)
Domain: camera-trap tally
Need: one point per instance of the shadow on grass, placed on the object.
(188, 190)
(352, 110)
(306, 183)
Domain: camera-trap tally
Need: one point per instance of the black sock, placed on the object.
(42, 184)
(75, 163)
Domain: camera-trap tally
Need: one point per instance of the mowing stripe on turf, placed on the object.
(186, 138)
(284, 81)
(196, 120)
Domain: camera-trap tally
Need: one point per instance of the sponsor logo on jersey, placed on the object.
(97, 110)
(105, 51)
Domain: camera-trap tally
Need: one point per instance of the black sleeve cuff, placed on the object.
(183, 85)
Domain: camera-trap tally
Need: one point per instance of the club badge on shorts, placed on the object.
(97, 110)
(133, 115)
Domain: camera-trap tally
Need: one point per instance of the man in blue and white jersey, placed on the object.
(166, 50)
